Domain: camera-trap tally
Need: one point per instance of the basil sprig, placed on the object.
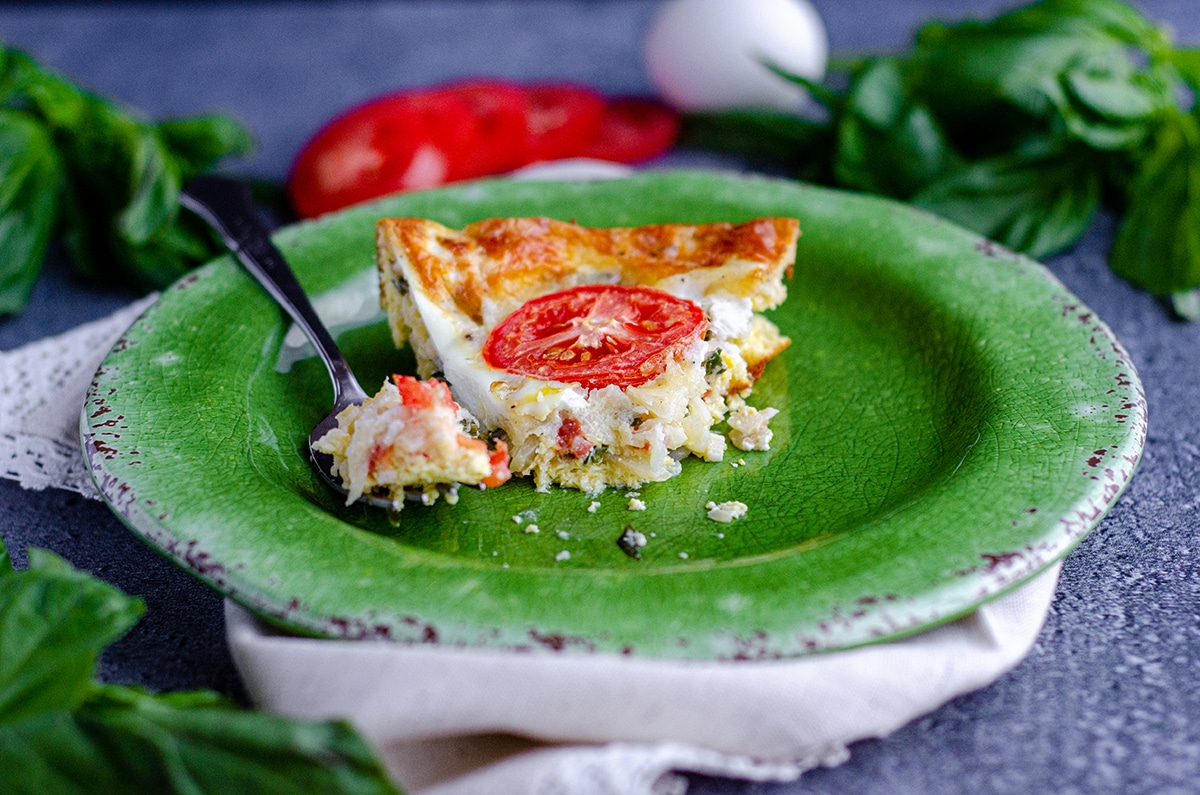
(106, 181)
(1019, 127)
(63, 732)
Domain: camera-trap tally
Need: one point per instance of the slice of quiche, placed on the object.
(601, 356)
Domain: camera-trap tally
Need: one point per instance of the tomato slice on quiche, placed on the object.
(596, 335)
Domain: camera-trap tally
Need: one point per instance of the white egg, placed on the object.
(711, 54)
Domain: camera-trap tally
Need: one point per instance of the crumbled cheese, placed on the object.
(726, 511)
(564, 555)
(729, 317)
(594, 505)
(563, 534)
(532, 529)
(748, 429)
(516, 520)
(683, 555)
(632, 494)
(634, 537)
(636, 505)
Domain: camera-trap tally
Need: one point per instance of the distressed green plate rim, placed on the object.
(1009, 415)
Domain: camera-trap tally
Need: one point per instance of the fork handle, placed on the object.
(226, 205)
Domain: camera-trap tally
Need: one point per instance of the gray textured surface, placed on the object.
(1109, 699)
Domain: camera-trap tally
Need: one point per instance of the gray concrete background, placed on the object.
(1109, 699)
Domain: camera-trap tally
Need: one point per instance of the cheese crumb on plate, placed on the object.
(726, 511)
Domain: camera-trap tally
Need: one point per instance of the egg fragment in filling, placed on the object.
(409, 436)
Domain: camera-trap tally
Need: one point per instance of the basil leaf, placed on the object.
(1187, 61)
(781, 137)
(47, 753)
(62, 732)
(84, 235)
(202, 141)
(1158, 242)
(122, 203)
(969, 72)
(165, 156)
(30, 176)
(61, 104)
(172, 251)
(124, 740)
(827, 97)
(886, 143)
(970, 75)
(10, 69)
(155, 184)
(1036, 200)
(54, 622)
(115, 193)
(1099, 18)
(1111, 91)
(1107, 103)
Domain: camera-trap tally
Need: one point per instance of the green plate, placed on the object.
(952, 421)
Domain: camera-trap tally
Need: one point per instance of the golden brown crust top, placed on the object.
(503, 262)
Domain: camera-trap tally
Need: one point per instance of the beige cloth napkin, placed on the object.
(42, 388)
(450, 721)
(454, 721)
